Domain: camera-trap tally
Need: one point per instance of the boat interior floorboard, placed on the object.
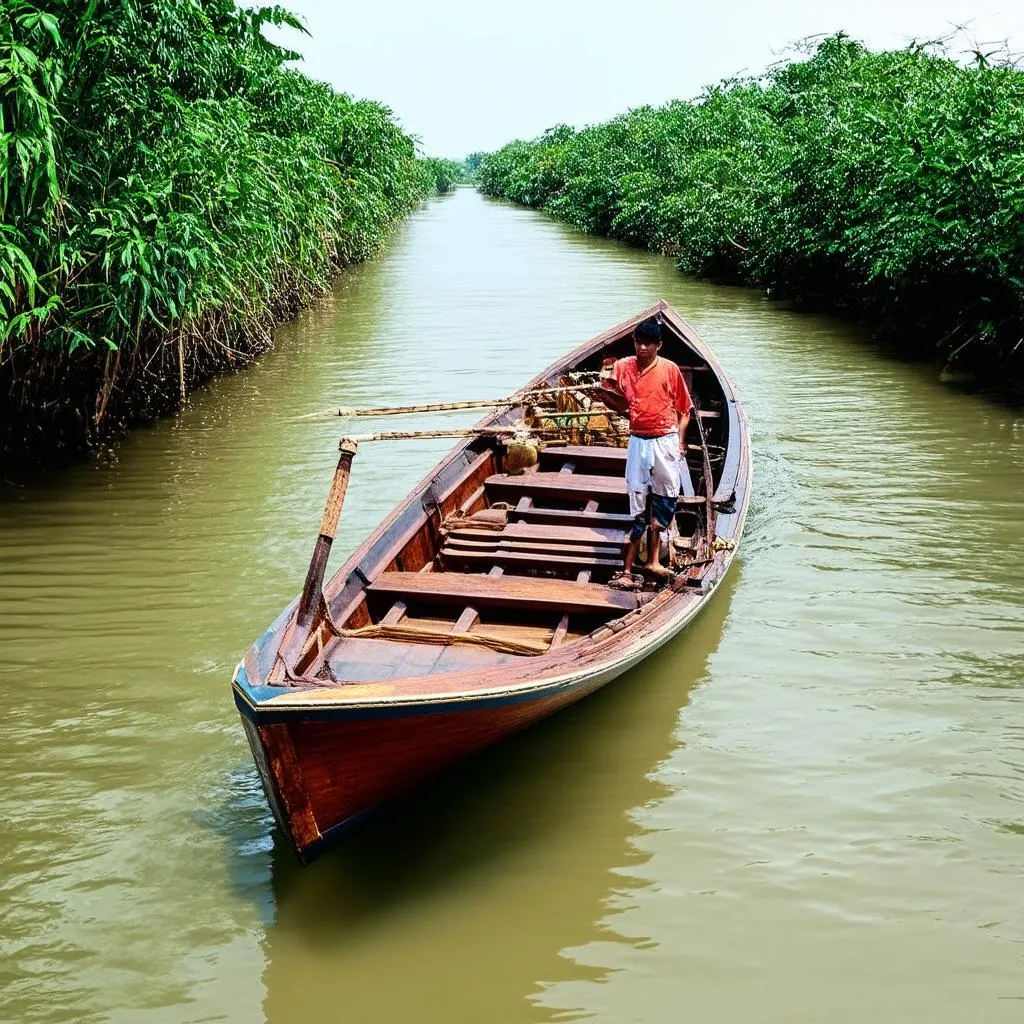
(528, 559)
(359, 659)
(571, 517)
(547, 533)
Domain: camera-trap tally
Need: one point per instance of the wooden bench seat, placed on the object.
(560, 486)
(596, 457)
(504, 592)
(553, 551)
(572, 486)
(513, 557)
(586, 456)
(547, 534)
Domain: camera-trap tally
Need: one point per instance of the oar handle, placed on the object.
(314, 585)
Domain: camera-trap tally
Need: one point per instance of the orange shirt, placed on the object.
(657, 396)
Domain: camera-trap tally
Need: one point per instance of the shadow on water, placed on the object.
(464, 854)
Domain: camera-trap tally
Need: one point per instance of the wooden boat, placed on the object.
(481, 604)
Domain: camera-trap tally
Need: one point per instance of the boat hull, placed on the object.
(325, 766)
(323, 773)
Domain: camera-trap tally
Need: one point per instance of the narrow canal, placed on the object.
(807, 808)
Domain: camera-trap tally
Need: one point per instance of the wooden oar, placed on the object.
(294, 641)
(313, 588)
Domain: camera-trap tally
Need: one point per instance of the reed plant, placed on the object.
(169, 191)
(889, 185)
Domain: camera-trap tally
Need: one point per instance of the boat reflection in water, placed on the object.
(458, 902)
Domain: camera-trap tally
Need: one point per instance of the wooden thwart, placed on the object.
(471, 616)
(595, 457)
(527, 559)
(494, 542)
(564, 486)
(504, 592)
(569, 486)
(586, 456)
(562, 629)
(548, 534)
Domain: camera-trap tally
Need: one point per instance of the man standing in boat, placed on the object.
(651, 390)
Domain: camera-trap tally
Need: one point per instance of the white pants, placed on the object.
(652, 464)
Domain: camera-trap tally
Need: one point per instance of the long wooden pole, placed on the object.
(314, 585)
(410, 435)
(709, 489)
(509, 432)
(521, 398)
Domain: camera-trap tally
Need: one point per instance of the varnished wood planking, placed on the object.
(589, 516)
(508, 557)
(290, 783)
(349, 768)
(549, 533)
(505, 591)
(562, 486)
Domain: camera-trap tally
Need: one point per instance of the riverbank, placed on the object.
(885, 186)
(177, 194)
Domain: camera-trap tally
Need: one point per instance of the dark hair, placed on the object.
(649, 330)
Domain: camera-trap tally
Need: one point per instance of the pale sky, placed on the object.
(472, 76)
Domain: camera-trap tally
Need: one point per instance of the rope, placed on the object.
(414, 634)
(459, 520)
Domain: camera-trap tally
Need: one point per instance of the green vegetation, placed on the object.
(471, 164)
(889, 185)
(169, 191)
(449, 173)
(446, 174)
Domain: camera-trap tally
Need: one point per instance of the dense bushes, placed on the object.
(890, 185)
(168, 192)
(444, 174)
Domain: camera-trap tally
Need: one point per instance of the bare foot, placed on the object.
(658, 571)
(626, 581)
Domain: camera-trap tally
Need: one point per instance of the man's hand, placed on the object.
(613, 399)
(684, 422)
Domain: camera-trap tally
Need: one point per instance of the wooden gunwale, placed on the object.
(572, 665)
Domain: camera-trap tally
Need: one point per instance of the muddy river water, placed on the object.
(810, 807)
